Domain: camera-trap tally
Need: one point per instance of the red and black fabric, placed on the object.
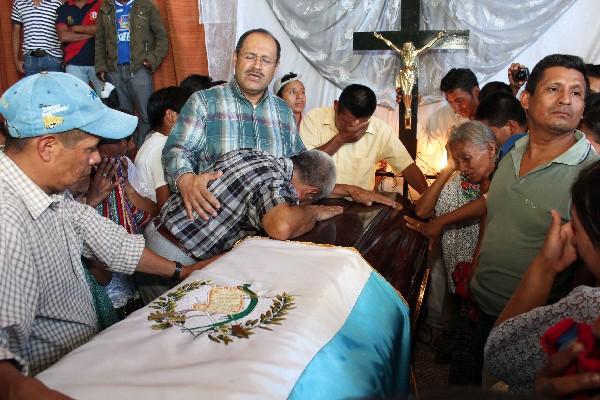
(80, 52)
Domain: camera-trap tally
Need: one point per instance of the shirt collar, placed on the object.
(573, 156)
(330, 121)
(34, 198)
(237, 91)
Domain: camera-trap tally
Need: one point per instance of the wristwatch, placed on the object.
(177, 273)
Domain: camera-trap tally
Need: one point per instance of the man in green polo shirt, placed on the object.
(532, 179)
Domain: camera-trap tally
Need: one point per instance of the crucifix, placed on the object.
(409, 42)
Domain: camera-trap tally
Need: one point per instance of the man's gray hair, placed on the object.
(474, 132)
(315, 168)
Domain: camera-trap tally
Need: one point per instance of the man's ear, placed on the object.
(475, 92)
(336, 105)
(47, 146)
(309, 192)
(170, 116)
(234, 59)
(525, 97)
(514, 126)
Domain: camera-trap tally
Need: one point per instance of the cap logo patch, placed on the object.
(51, 121)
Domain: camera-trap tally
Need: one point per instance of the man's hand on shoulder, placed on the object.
(196, 197)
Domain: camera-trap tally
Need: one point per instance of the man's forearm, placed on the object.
(15, 385)
(289, 221)
(152, 263)
(85, 29)
(16, 42)
(415, 178)
(9, 376)
(68, 36)
(342, 190)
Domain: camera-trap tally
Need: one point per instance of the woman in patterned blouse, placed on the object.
(471, 160)
(513, 352)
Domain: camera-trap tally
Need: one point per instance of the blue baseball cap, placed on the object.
(54, 102)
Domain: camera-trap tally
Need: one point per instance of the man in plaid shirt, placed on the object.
(54, 123)
(258, 192)
(241, 114)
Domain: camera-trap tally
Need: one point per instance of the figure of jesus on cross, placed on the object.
(405, 80)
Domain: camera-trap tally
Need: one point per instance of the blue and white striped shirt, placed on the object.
(39, 25)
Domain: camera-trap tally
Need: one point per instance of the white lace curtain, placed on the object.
(219, 19)
(322, 31)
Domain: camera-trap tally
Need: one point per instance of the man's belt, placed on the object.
(38, 53)
(164, 232)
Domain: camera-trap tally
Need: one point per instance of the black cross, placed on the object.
(410, 16)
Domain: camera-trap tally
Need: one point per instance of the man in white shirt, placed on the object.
(164, 106)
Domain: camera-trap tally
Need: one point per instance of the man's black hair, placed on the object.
(498, 108)
(592, 70)
(585, 197)
(591, 115)
(196, 82)
(169, 98)
(591, 119)
(494, 87)
(459, 78)
(242, 38)
(286, 77)
(592, 102)
(359, 100)
(556, 60)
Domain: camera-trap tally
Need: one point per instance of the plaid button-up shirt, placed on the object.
(252, 184)
(218, 120)
(46, 308)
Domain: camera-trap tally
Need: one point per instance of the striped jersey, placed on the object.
(39, 29)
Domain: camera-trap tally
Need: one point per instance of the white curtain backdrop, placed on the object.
(501, 33)
(219, 19)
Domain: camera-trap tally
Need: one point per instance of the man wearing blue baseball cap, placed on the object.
(54, 122)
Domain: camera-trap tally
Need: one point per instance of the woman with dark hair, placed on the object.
(291, 90)
(513, 351)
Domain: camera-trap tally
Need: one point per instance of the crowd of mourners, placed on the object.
(111, 193)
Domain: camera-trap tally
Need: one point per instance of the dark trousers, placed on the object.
(482, 331)
(134, 90)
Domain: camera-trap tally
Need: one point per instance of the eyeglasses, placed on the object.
(263, 60)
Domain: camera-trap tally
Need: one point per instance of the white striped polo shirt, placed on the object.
(39, 25)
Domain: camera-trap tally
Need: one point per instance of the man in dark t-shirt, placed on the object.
(76, 27)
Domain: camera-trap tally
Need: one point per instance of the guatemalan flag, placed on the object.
(268, 320)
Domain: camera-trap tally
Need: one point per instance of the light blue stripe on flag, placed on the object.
(369, 356)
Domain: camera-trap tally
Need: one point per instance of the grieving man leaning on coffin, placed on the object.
(237, 115)
(54, 123)
(257, 192)
(357, 140)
